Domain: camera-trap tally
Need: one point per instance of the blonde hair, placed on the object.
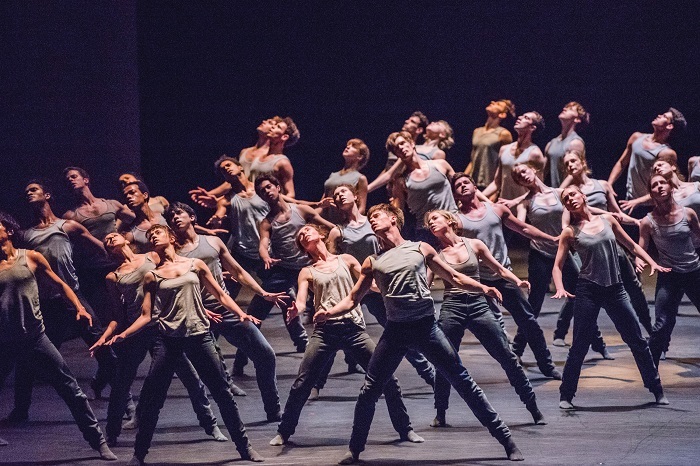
(449, 216)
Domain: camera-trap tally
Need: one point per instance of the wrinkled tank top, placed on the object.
(360, 242)
(470, 268)
(557, 148)
(639, 170)
(488, 229)
(245, 215)
(547, 218)
(283, 241)
(692, 202)
(336, 179)
(695, 173)
(331, 287)
(258, 167)
(485, 148)
(597, 196)
(675, 245)
(509, 188)
(434, 192)
(20, 316)
(598, 252)
(140, 242)
(130, 287)
(426, 153)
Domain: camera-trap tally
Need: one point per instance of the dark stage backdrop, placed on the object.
(208, 72)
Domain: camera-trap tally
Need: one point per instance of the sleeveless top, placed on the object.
(283, 241)
(484, 158)
(426, 153)
(258, 168)
(101, 225)
(20, 316)
(140, 242)
(555, 153)
(178, 303)
(548, 219)
(54, 244)
(330, 288)
(509, 188)
(639, 170)
(597, 197)
(244, 161)
(434, 192)
(335, 179)
(598, 254)
(470, 268)
(695, 174)
(360, 242)
(675, 245)
(400, 274)
(130, 287)
(692, 202)
(488, 229)
(245, 215)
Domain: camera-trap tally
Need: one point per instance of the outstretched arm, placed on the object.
(627, 242)
(565, 241)
(353, 299)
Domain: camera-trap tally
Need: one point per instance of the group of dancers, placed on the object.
(144, 276)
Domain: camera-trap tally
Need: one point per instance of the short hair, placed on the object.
(160, 227)
(516, 176)
(362, 148)
(653, 175)
(292, 131)
(678, 121)
(449, 140)
(539, 121)
(173, 209)
(581, 156)
(322, 230)
(389, 210)
(510, 106)
(9, 222)
(449, 216)
(139, 184)
(459, 175)
(583, 115)
(82, 171)
(45, 184)
(223, 158)
(577, 188)
(391, 140)
(423, 119)
(266, 177)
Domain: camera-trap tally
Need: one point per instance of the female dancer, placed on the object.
(438, 138)
(356, 156)
(670, 226)
(465, 310)
(125, 288)
(331, 277)
(487, 141)
(599, 285)
(173, 288)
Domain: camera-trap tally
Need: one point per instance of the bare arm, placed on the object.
(78, 232)
(264, 249)
(115, 305)
(285, 173)
(216, 220)
(149, 289)
(362, 193)
(624, 160)
(528, 231)
(627, 242)
(447, 273)
(565, 241)
(334, 238)
(206, 280)
(489, 261)
(299, 304)
(311, 216)
(385, 176)
(358, 292)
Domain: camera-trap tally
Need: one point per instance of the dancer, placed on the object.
(487, 141)
(466, 310)
(671, 226)
(595, 238)
(331, 277)
(415, 125)
(484, 221)
(356, 156)
(439, 137)
(172, 289)
(694, 169)
(158, 204)
(125, 285)
(572, 116)
(282, 135)
(244, 335)
(23, 342)
(137, 198)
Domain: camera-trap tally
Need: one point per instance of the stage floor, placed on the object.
(616, 422)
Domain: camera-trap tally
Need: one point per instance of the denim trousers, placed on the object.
(425, 336)
(326, 339)
(38, 355)
(514, 301)
(200, 350)
(590, 297)
(472, 312)
(670, 288)
(130, 354)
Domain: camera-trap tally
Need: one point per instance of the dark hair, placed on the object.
(141, 185)
(423, 119)
(678, 121)
(157, 227)
(458, 175)
(174, 208)
(539, 122)
(322, 230)
(44, 183)
(82, 171)
(9, 222)
(222, 159)
(510, 106)
(389, 210)
(292, 131)
(266, 177)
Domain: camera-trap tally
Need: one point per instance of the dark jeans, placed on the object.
(247, 337)
(634, 289)
(590, 297)
(425, 336)
(59, 319)
(670, 288)
(200, 350)
(514, 301)
(40, 356)
(472, 312)
(325, 341)
(130, 354)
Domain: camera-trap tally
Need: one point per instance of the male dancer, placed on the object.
(572, 115)
(282, 135)
(415, 125)
(400, 273)
(487, 141)
(137, 196)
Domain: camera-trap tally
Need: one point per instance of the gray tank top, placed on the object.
(557, 148)
(101, 225)
(178, 304)
(400, 274)
(54, 244)
(432, 193)
(245, 215)
(596, 197)
(489, 229)
(426, 153)
(470, 268)
(360, 242)
(695, 173)
(130, 287)
(548, 219)
(258, 167)
(283, 241)
(692, 202)
(639, 170)
(20, 316)
(331, 287)
(598, 254)
(485, 148)
(140, 242)
(245, 161)
(336, 179)
(675, 245)
(208, 254)
(509, 188)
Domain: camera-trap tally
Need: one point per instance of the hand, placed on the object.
(277, 298)
(99, 343)
(292, 311)
(639, 264)
(116, 339)
(214, 222)
(250, 318)
(617, 216)
(494, 293)
(270, 262)
(658, 268)
(325, 203)
(321, 316)
(83, 314)
(510, 203)
(202, 197)
(524, 284)
(210, 231)
(213, 316)
(628, 205)
(562, 294)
